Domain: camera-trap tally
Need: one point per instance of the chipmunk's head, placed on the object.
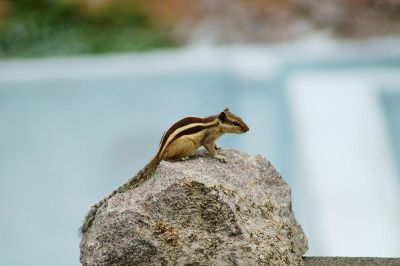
(231, 123)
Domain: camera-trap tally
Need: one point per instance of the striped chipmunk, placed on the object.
(179, 142)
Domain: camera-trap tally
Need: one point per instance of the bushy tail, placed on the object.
(132, 183)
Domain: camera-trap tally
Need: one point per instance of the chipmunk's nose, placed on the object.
(245, 128)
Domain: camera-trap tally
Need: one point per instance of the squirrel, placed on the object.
(179, 142)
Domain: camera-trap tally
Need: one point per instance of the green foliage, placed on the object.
(45, 27)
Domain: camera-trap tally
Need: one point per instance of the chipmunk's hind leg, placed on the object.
(180, 149)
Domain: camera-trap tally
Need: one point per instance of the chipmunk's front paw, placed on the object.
(216, 147)
(220, 158)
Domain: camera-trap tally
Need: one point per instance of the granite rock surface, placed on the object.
(200, 212)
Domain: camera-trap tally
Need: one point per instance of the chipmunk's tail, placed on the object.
(132, 183)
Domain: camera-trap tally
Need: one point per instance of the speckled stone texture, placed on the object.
(200, 212)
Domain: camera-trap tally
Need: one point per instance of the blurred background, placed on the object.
(87, 88)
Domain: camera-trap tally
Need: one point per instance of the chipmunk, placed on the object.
(179, 142)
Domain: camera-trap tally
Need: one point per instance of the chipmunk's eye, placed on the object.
(235, 123)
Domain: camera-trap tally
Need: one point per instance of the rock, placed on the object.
(200, 212)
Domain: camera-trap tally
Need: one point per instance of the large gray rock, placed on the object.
(200, 212)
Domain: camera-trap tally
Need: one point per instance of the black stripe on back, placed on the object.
(191, 130)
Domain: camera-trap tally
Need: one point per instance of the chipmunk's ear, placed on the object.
(222, 117)
(226, 109)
